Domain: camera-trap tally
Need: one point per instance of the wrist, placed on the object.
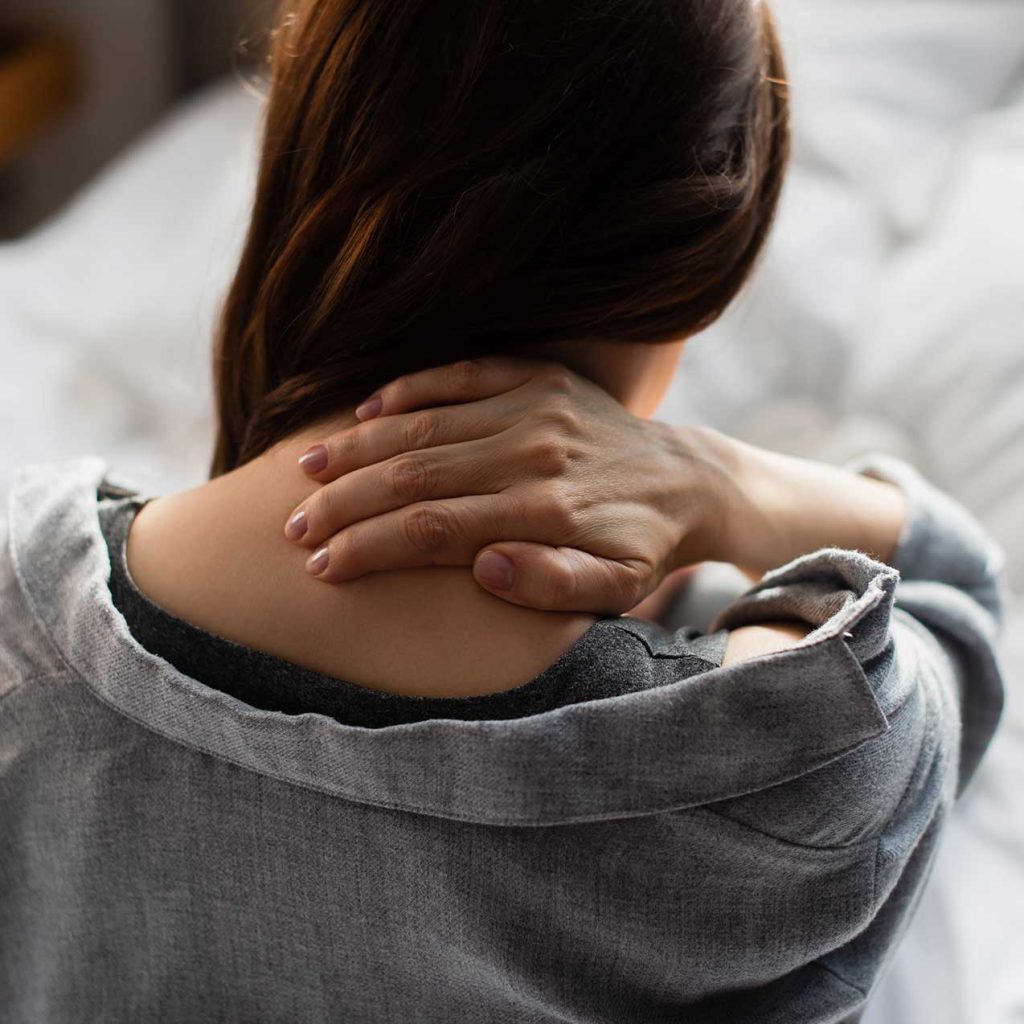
(706, 497)
(751, 511)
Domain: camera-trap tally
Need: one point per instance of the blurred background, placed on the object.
(888, 314)
(120, 64)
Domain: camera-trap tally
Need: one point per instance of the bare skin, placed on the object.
(643, 501)
(214, 556)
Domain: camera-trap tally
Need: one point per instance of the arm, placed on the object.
(922, 634)
(562, 499)
(592, 507)
(783, 507)
(701, 495)
(748, 642)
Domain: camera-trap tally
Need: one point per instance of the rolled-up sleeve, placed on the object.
(924, 631)
(951, 583)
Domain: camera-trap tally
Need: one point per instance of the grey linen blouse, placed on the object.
(669, 840)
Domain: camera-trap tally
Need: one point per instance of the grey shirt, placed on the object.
(728, 844)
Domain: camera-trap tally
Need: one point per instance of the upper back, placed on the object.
(216, 557)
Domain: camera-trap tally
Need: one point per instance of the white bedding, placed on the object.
(888, 314)
(106, 313)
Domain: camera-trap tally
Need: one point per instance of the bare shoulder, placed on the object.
(749, 642)
(219, 561)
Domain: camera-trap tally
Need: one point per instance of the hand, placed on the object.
(557, 496)
(656, 605)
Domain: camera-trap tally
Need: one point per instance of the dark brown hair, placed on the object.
(443, 179)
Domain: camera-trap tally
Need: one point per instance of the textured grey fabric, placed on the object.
(745, 844)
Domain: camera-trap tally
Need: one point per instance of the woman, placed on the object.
(435, 777)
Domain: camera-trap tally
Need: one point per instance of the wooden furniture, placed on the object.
(39, 80)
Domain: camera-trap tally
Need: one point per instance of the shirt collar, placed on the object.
(711, 737)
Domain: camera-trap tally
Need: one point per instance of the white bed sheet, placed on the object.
(107, 312)
(888, 314)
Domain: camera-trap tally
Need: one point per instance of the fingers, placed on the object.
(378, 440)
(429, 533)
(452, 471)
(657, 603)
(466, 381)
(561, 579)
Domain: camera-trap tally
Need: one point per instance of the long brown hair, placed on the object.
(443, 179)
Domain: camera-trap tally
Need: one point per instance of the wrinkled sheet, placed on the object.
(888, 314)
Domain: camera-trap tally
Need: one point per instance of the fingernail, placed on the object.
(315, 459)
(370, 408)
(297, 526)
(318, 562)
(495, 570)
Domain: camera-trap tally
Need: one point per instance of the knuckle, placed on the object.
(344, 447)
(410, 478)
(563, 419)
(322, 510)
(559, 514)
(463, 375)
(548, 456)
(558, 379)
(559, 586)
(343, 554)
(422, 431)
(394, 392)
(632, 588)
(429, 529)
(563, 520)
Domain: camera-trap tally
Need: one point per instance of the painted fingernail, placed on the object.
(314, 460)
(297, 526)
(370, 408)
(318, 562)
(495, 570)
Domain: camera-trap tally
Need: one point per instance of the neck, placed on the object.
(216, 556)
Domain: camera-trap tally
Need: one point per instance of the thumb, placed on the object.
(561, 579)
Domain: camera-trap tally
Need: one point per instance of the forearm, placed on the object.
(777, 507)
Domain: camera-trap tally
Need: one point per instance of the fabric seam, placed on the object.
(42, 677)
(835, 974)
(809, 847)
(664, 656)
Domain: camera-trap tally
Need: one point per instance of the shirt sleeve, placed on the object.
(924, 631)
(920, 635)
(951, 582)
